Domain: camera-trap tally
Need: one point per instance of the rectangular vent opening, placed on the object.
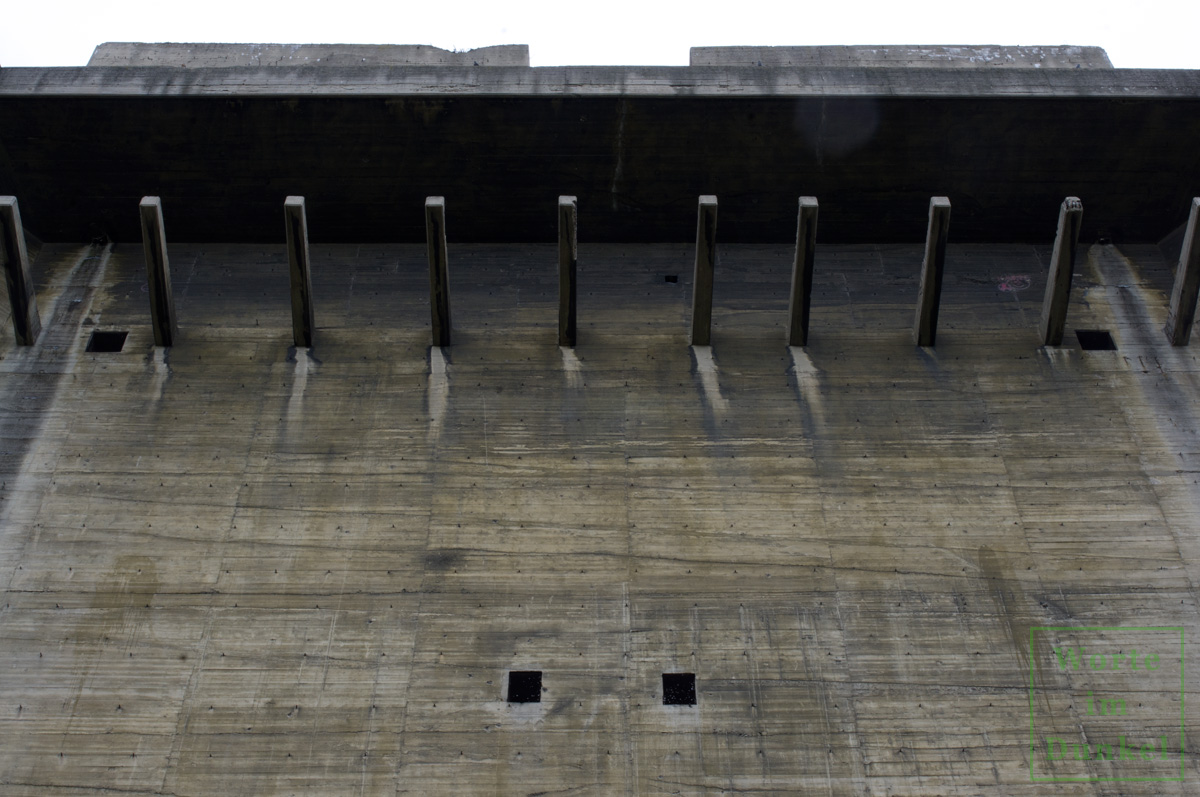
(1095, 340)
(107, 340)
(670, 278)
(525, 686)
(679, 689)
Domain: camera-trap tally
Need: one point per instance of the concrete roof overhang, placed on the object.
(365, 145)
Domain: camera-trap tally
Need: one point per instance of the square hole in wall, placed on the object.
(107, 340)
(679, 689)
(671, 278)
(525, 686)
(1095, 340)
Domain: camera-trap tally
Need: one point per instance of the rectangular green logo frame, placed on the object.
(1032, 735)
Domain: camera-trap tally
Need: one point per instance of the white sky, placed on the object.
(1147, 34)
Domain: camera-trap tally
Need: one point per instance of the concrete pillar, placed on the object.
(702, 282)
(26, 321)
(1187, 282)
(1062, 264)
(296, 224)
(158, 272)
(802, 272)
(568, 259)
(930, 294)
(439, 270)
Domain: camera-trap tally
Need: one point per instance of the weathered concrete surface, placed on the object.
(210, 54)
(635, 145)
(905, 55)
(250, 570)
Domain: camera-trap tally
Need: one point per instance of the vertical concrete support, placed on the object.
(1062, 263)
(1187, 282)
(296, 224)
(158, 272)
(439, 270)
(702, 282)
(925, 327)
(568, 259)
(802, 272)
(26, 321)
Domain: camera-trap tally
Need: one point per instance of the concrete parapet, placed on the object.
(910, 55)
(206, 54)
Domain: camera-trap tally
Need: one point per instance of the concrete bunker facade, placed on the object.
(776, 371)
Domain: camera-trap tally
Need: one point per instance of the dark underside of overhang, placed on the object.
(224, 164)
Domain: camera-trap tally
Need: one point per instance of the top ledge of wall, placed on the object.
(208, 55)
(911, 55)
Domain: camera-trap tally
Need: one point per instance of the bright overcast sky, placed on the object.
(1147, 34)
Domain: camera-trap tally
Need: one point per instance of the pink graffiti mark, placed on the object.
(1014, 283)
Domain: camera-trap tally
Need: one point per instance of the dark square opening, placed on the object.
(679, 689)
(1095, 340)
(525, 686)
(670, 278)
(109, 340)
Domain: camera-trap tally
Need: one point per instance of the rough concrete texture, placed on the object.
(208, 55)
(233, 567)
(902, 55)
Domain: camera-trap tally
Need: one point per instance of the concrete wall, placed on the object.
(235, 568)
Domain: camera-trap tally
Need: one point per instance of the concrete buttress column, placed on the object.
(1187, 282)
(706, 258)
(568, 259)
(439, 270)
(930, 294)
(802, 272)
(1062, 264)
(296, 223)
(26, 321)
(158, 272)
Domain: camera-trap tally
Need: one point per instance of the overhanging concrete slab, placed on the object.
(636, 145)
